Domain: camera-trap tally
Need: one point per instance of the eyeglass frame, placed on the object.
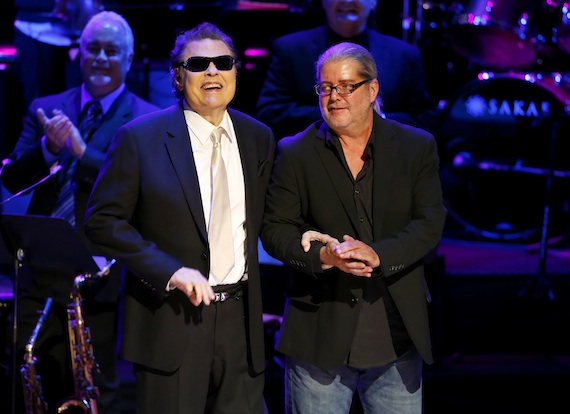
(186, 64)
(354, 87)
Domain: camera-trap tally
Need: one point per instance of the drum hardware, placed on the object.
(562, 29)
(466, 160)
(426, 16)
(412, 21)
(539, 286)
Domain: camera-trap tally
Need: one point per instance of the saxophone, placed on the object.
(32, 384)
(83, 361)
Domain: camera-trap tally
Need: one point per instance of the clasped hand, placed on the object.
(60, 132)
(351, 255)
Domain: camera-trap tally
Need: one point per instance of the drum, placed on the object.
(496, 141)
(495, 34)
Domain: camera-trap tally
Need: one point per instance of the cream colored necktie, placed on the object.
(220, 234)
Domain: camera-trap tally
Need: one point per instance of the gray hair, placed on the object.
(204, 30)
(351, 51)
(116, 18)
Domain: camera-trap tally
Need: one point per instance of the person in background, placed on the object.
(46, 32)
(287, 101)
(192, 313)
(73, 130)
(353, 207)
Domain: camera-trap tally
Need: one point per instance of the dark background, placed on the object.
(501, 289)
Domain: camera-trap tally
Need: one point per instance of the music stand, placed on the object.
(44, 242)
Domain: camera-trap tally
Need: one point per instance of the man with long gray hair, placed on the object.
(353, 206)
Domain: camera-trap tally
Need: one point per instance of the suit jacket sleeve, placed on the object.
(112, 211)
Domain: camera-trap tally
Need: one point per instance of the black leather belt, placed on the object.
(225, 292)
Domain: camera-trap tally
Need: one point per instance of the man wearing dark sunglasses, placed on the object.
(192, 321)
(200, 63)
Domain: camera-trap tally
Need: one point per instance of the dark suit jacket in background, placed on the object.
(306, 191)
(288, 103)
(146, 211)
(28, 165)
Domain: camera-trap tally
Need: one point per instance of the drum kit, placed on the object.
(504, 139)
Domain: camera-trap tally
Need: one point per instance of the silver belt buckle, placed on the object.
(221, 296)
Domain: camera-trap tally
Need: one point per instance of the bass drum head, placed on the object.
(495, 145)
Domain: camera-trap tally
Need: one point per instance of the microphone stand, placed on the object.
(18, 263)
(539, 286)
(54, 169)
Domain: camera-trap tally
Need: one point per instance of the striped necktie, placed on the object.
(65, 206)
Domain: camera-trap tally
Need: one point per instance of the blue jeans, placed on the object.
(395, 388)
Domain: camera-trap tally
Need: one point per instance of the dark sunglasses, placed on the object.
(200, 63)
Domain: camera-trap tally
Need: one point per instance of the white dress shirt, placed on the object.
(200, 131)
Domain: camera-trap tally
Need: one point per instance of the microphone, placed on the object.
(5, 162)
(54, 169)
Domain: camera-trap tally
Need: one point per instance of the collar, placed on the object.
(201, 128)
(105, 101)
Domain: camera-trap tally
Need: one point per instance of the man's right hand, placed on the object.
(312, 235)
(193, 284)
(60, 132)
(351, 256)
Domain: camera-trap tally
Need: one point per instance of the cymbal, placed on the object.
(492, 47)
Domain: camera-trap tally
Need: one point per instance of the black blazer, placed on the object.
(307, 191)
(146, 211)
(288, 103)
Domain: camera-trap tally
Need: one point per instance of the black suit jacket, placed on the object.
(28, 165)
(308, 191)
(146, 211)
(288, 103)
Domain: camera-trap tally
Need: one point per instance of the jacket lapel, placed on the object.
(335, 170)
(118, 114)
(248, 152)
(70, 105)
(179, 149)
(384, 153)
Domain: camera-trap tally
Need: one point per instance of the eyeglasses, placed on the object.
(343, 89)
(200, 63)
